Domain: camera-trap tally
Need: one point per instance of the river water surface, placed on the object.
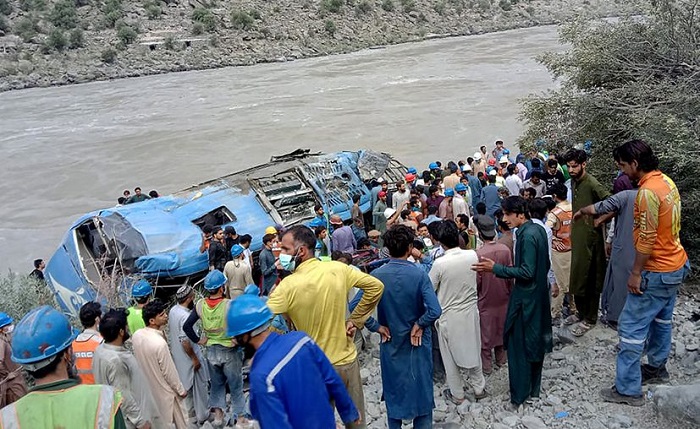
(69, 150)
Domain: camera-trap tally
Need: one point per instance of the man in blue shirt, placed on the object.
(490, 197)
(292, 382)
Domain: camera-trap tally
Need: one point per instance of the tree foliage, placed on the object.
(634, 78)
(64, 14)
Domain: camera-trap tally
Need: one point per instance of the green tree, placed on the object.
(364, 6)
(330, 27)
(388, 5)
(333, 6)
(64, 14)
(637, 78)
(76, 39)
(408, 5)
(205, 17)
(113, 12)
(4, 24)
(109, 55)
(27, 28)
(57, 40)
(153, 11)
(127, 35)
(241, 20)
(5, 7)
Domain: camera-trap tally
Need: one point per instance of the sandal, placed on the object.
(571, 320)
(581, 329)
(448, 397)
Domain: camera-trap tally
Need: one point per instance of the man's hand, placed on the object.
(416, 335)
(578, 215)
(555, 290)
(608, 250)
(196, 364)
(203, 340)
(384, 332)
(183, 395)
(486, 265)
(634, 284)
(350, 328)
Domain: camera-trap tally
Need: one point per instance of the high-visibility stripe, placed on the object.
(8, 417)
(281, 364)
(665, 322)
(631, 341)
(104, 408)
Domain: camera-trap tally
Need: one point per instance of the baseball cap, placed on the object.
(486, 226)
(493, 173)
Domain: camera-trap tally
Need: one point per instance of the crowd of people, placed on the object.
(137, 197)
(479, 259)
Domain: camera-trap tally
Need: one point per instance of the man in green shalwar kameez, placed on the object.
(528, 332)
(588, 262)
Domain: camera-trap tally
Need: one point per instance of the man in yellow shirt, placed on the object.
(314, 297)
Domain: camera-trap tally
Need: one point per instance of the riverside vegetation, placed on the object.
(56, 42)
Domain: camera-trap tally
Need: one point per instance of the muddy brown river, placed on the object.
(69, 150)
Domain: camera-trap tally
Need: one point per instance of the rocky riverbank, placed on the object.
(58, 42)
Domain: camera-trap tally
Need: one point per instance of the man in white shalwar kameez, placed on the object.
(188, 358)
(459, 332)
(152, 352)
(115, 365)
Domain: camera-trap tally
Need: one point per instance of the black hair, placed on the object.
(418, 244)
(121, 200)
(337, 255)
(433, 189)
(481, 208)
(138, 188)
(245, 238)
(421, 225)
(216, 230)
(470, 160)
(268, 238)
(637, 150)
(153, 309)
(37, 263)
(142, 299)
(50, 368)
(536, 162)
(89, 313)
(426, 176)
(515, 205)
(405, 214)
(303, 235)
(480, 175)
(448, 234)
(551, 204)
(499, 220)
(552, 163)
(434, 229)
(397, 240)
(558, 190)
(439, 164)
(538, 208)
(492, 178)
(207, 229)
(356, 198)
(363, 242)
(532, 192)
(112, 322)
(511, 169)
(432, 209)
(319, 230)
(536, 173)
(153, 194)
(317, 207)
(463, 219)
(576, 155)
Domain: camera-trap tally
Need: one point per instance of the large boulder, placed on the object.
(679, 404)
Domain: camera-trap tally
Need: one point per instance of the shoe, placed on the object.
(448, 397)
(653, 375)
(218, 418)
(612, 395)
(481, 395)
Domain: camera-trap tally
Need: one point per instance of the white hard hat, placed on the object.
(477, 156)
(504, 159)
(389, 212)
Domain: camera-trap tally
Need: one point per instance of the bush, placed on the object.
(26, 28)
(29, 5)
(241, 20)
(76, 39)
(330, 27)
(505, 5)
(153, 11)
(64, 14)
(365, 6)
(332, 6)
(169, 43)
(112, 18)
(21, 293)
(109, 55)
(113, 12)
(197, 28)
(408, 5)
(5, 7)
(127, 35)
(4, 24)
(255, 14)
(205, 17)
(57, 40)
(440, 7)
(388, 5)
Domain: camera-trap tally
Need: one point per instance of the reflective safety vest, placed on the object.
(81, 406)
(135, 320)
(83, 351)
(214, 322)
(564, 231)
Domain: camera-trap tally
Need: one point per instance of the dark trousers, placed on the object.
(587, 306)
(525, 377)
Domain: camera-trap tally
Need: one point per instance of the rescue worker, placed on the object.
(84, 346)
(225, 362)
(12, 386)
(57, 400)
(141, 293)
(292, 382)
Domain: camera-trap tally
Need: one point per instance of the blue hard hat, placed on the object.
(449, 192)
(412, 170)
(252, 290)
(245, 314)
(41, 334)
(4, 320)
(459, 187)
(141, 288)
(433, 166)
(214, 280)
(236, 250)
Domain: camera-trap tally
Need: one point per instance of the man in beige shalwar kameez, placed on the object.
(152, 352)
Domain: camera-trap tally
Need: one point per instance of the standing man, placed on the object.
(85, 344)
(315, 298)
(445, 210)
(559, 220)
(489, 195)
(458, 328)
(116, 366)
(660, 266)
(38, 273)
(224, 359)
(453, 179)
(474, 186)
(137, 197)
(57, 398)
(535, 182)
(358, 218)
(528, 328)
(587, 245)
(141, 293)
(218, 255)
(152, 352)
(378, 212)
(406, 312)
(188, 358)
(12, 386)
(342, 239)
(292, 383)
(238, 273)
(401, 196)
(460, 202)
(552, 176)
(513, 182)
(479, 165)
(493, 294)
(268, 265)
(230, 237)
